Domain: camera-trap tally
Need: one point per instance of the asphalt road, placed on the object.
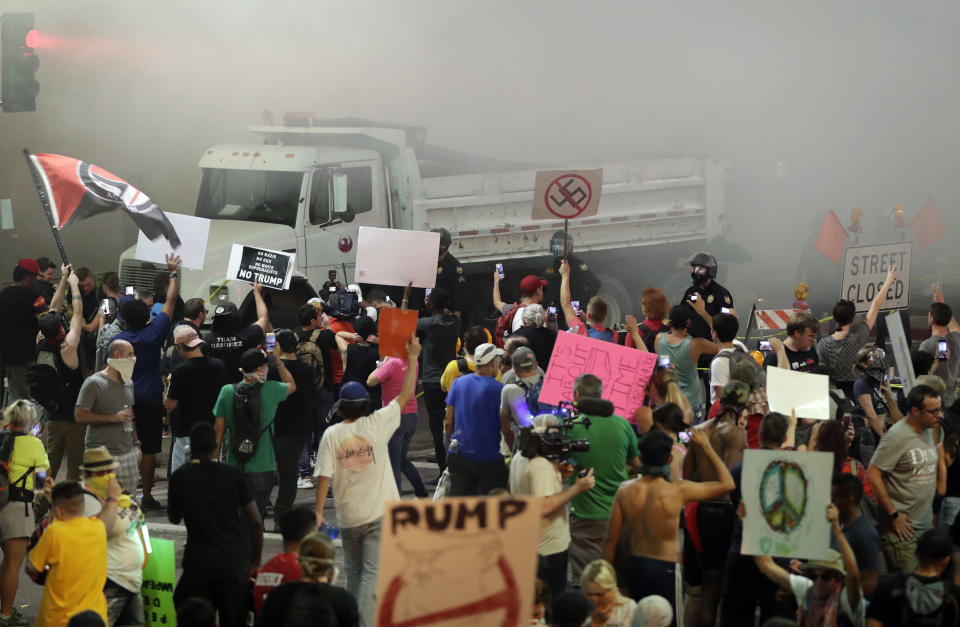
(29, 594)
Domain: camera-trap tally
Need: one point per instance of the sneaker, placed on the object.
(305, 483)
(150, 504)
(15, 618)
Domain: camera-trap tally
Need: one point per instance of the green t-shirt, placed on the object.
(272, 393)
(612, 443)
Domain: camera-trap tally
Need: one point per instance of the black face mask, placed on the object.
(699, 280)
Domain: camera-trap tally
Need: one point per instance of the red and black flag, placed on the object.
(77, 190)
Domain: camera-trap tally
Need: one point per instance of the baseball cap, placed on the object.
(935, 544)
(485, 354)
(735, 393)
(186, 335)
(252, 359)
(523, 358)
(30, 265)
(126, 298)
(225, 309)
(353, 391)
(531, 283)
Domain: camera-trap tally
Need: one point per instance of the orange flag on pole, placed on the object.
(831, 238)
(928, 226)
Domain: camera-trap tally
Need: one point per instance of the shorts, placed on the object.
(715, 526)
(652, 576)
(16, 520)
(148, 416)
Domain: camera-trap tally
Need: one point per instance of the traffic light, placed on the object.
(18, 86)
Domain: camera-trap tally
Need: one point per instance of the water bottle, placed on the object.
(331, 531)
(128, 425)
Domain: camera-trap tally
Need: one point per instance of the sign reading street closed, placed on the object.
(271, 268)
(865, 269)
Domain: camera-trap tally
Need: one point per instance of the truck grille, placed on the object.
(139, 274)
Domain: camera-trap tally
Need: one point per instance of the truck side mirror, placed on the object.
(339, 193)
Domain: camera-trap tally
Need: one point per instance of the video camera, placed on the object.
(343, 304)
(555, 442)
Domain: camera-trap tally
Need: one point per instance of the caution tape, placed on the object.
(214, 292)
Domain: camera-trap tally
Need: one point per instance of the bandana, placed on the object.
(656, 471)
(823, 610)
(251, 378)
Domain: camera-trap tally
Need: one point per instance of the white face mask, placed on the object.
(123, 365)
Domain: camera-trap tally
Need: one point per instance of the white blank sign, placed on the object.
(193, 232)
(397, 257)
(808, 394)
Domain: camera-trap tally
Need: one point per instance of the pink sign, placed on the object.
(624, 371)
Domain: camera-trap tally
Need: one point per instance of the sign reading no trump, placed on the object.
(865, 270)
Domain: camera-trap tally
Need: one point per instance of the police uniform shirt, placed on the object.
(450, 276)
(715, 297)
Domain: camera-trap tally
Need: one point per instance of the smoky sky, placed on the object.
(814, 106)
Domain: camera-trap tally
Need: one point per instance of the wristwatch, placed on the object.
(174, 274)
(894, 515)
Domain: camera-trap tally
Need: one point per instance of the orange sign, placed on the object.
(395, 328)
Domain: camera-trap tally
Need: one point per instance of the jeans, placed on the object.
(436, 402)
(949, 510)
(124, 608)
(288, 471)
(65, 440)
(261, 484)
(179, 453)
(473, 478)
(398, 446)
(586, 543)
(361, 552)
(322, 402)
(16, 385)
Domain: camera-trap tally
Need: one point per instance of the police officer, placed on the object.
(716, 298)
(450, 274)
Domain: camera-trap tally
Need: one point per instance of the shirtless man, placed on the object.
(651, 505)
(715, 518)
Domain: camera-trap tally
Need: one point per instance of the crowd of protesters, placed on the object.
(643, 527)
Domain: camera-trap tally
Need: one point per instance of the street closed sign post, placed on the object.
(865, 269)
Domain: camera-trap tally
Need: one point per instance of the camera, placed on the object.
(555, 443)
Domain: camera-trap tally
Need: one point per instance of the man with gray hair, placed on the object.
(613, 446)
(540, 337)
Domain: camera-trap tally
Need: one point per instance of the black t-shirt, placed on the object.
(294, 414)
(866, 384)
(715, 297)
(438, 335)
(209, 497)
(229, 348)
(450, 276)
(304, 604)
(46, 289)
(801, 361)
(541, 341)
(195, 385)
(361, 361)
(18, 324)
(889, 603)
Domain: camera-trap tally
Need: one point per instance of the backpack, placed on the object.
(948, 608)
(738, 355)
(12, 490)
(605, 335)
(463, 366)
(309, 353)
(245, 431)
(649, 337)
(505, 325)
(46, 386)
(532, 394)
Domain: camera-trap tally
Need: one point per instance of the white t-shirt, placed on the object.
(539, 477)
(355, 455)
(801, 585)
(124, 548)
(622, 614)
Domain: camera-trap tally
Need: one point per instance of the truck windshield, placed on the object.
(255, 196)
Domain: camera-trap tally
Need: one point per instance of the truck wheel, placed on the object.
(619, 300)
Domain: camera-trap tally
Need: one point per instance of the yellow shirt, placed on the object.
(76, 551)
(27, 451)
(452, 371)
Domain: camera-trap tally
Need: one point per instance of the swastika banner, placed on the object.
(566, 194)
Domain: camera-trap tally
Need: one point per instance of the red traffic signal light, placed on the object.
(19, 64)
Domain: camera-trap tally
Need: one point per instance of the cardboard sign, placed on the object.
(901, 351)
(397, 257)
(394, 328)
(806, 393)
(193, 232)
(624, 371)
(786, 495)
(272, 268)
(465, 561)
(566, 194)
(865, 270)
(159, 580)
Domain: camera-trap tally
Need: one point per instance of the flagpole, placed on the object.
(45, 201)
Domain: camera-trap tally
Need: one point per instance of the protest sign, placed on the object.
(865, 270)
(394, 329)
(193, 232)
(901, 351)
(807, 394)
(786, 494)
(624, 371)
(159, 578)
(397, 257)
(271, 267)
(481, 552)
(566, 194)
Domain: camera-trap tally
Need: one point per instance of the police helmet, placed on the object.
(707, 261)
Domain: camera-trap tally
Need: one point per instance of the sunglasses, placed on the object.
(826, 575)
